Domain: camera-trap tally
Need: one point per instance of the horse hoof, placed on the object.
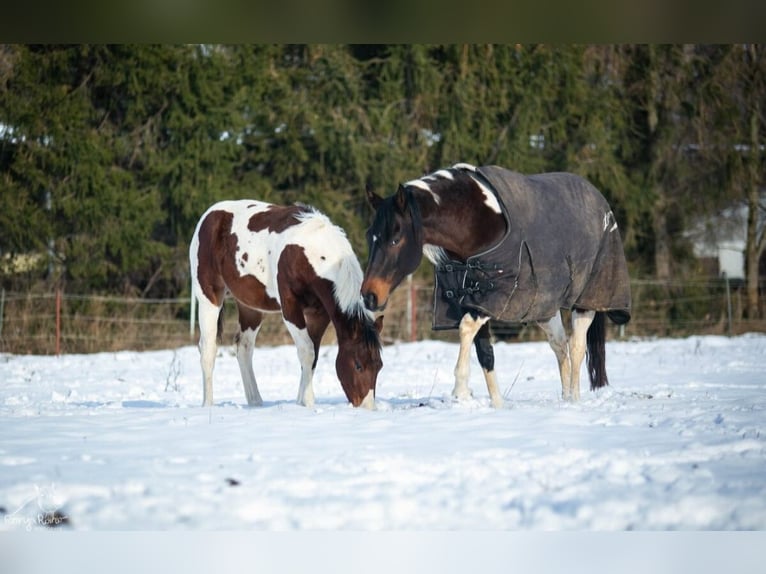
(462, 395)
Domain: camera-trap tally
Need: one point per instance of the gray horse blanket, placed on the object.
(561, 250)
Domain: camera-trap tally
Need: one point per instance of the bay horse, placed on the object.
(510, 247)
(288, 259)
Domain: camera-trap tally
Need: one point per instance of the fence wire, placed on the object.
(30, 322)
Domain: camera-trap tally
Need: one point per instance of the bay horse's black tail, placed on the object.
(596, 349)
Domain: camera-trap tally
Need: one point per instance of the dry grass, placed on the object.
(104, 324)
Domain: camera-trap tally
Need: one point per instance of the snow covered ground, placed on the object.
(118, 441)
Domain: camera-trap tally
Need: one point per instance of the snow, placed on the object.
(119, 441)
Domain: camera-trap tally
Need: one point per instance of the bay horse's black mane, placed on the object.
(460, 182)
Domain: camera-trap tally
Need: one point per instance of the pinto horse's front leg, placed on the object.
(306, 356)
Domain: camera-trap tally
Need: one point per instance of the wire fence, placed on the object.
(58, 322)
(673, 308)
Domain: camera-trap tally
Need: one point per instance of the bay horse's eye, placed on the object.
(358, 366)
(394, 241)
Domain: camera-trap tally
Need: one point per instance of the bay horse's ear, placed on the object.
(401, 199)
(379, 324)
(373, 198)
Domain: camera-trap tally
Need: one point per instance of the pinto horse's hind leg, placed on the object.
(208, 334)
(249, 325)
(469, 327)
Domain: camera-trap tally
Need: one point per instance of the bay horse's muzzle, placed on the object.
(375, 292)
(371, 301)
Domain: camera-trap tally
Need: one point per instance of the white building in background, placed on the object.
(720, 241)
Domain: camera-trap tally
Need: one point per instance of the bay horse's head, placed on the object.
(395, 243)
(358, 361)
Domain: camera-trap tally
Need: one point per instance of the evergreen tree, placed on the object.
(657, 88)
(67, 163)
(731, 129)
(113, 152)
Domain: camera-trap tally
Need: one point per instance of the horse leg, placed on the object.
(249, 325)
(208, 334)
(486, 355)
(581, 321)
(317, 321)
(295, 320)
(557, 339)
(305, 347)
(469, 327)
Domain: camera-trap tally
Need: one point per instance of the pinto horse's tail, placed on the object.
(596, 349)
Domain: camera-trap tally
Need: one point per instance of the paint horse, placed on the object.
(291, 259)
(510, 247)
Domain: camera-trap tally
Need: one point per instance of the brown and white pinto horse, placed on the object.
(292, 259)
(454, 218)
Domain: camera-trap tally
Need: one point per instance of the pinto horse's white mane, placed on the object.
(333, 258)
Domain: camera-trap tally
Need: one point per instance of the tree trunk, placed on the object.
(754, 245)
(662, 239)
(659, 210)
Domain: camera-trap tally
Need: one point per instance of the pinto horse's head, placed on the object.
(395, 243)
(358, 362)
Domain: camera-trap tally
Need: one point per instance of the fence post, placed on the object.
(58, 321)
(412, 309)
(2, 310)
(728, 303)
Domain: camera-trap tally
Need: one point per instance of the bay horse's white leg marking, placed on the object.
(208, 327)
(581, 321)
(569, 352)
(245, 345)
(305, 347)
(468, 329)
(557, 339)
(495, 398)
